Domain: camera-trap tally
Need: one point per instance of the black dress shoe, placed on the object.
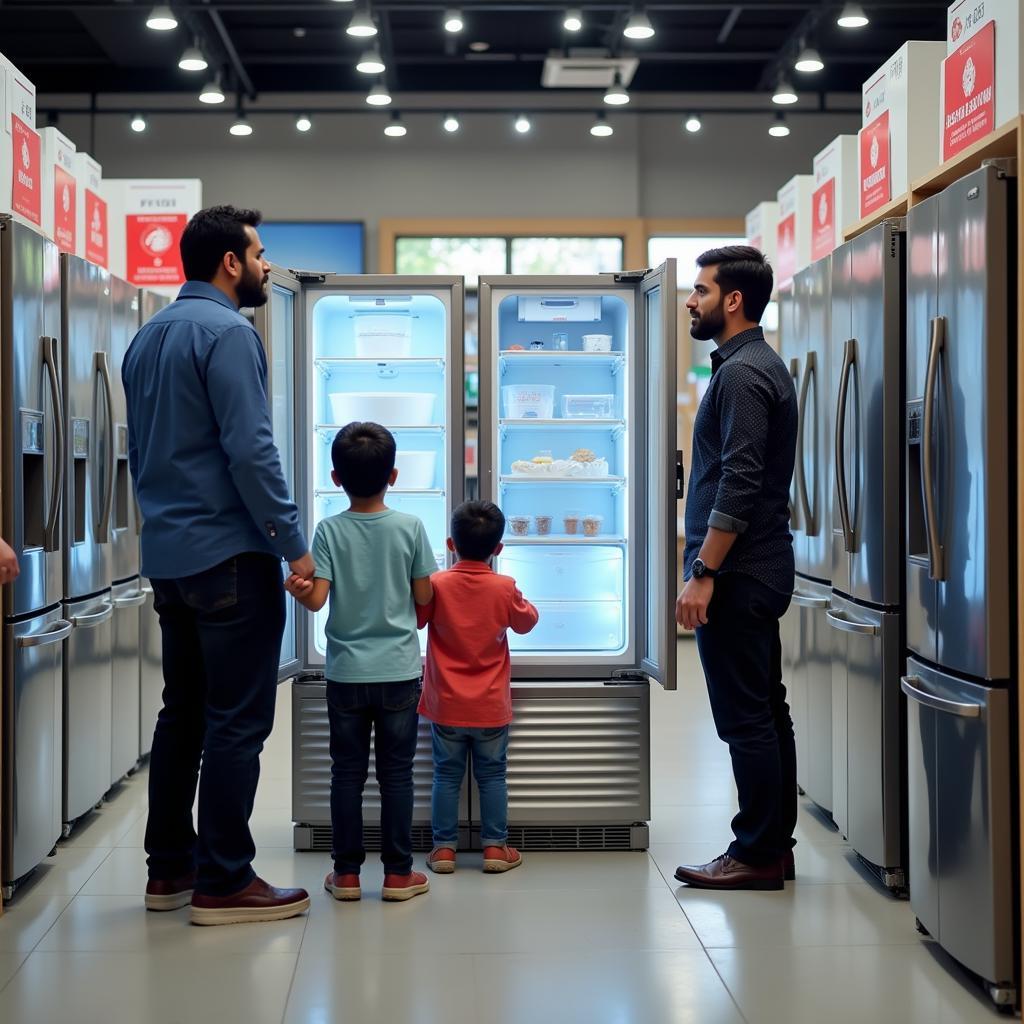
(726, 872)
(788, 866)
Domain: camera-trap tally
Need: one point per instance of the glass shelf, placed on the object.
(593, 481)
(554, 358)
(430, 429)
(565, 423)
(601, 540)
(428, 362)
(338, 493)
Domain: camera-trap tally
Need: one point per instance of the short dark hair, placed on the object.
(744, 269)
(363, 455)
(477, 527)
(211, 233)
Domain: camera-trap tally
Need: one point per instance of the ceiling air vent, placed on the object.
(582, 71)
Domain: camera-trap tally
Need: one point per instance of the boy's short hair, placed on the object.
(477, 528)
(363, 455)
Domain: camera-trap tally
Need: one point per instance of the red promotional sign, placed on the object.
(969, 88)
(875, 168)
(153, 254)
(823, 220)
(26, 188)
(65, 214)
(95, 229)
(785, 256)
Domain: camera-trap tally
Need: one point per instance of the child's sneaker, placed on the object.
(501, 858)
(404, 887)
(343, 887)
(441, 860)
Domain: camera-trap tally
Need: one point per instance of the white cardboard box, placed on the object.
(794, 230)
(21, 186)
(761, 225)
(982, 81)
(146, 220)
(834, 202)
(60, 189)
(93, 232)
(899, 133)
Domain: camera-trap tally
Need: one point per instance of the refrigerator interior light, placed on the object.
(161, 19)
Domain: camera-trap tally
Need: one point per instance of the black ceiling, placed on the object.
(105, 47)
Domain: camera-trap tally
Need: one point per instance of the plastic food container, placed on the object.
(597, 343)
(571, 523)
(390, 408)
(587, 407)
(519, 525)
(383, 336)
(543, 525)
(592, 525)
(415, 470)
(528, 401)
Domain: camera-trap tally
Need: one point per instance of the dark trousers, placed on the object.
(222, 634)
(741, 652)
(390, 710)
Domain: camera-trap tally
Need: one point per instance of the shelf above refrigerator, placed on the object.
(561, 539)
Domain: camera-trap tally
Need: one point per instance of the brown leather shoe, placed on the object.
(170, 894)
(788, 866)
(726, 872)
(258, 901)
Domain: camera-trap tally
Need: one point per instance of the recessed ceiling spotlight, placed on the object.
(616, 96)
(395, 129)
(522, 124)
(371, 63)
(193, 60)
(693, 124)
(161, 19)
(638, 27)
(378, 96)
(479, 46)
(573, 20)
(601, 128)
(779, 129)
(809, 61)
(212, 92)
(784, 94)
(361, 25)
(303, 123)
(453, 20)
(138, 123)
(451, 124)
(852, 16)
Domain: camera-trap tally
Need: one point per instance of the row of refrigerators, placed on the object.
(900, 645)
(81, 673)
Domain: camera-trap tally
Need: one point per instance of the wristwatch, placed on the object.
(700, 570)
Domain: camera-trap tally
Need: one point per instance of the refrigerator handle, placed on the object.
(51, 540)
(60, 630)
(845, 625)
(936, 553)
(849, 357)
(680, 476)
(810, 526)
(798, 469)
(107, 511)
(930, 700)
(94, 618)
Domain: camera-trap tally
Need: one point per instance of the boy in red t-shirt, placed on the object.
(467, 692)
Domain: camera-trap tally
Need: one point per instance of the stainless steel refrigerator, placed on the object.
(865, 529)
(88, 499)
(34, 624)
(961, 684)
(807, 643)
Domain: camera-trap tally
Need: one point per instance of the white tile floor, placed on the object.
(590, 938)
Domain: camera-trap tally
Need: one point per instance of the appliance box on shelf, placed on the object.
(982, 84)
(834, 204)
(92, 234)
(898, 136)
(21, 185)
(794, 228)
(60, 190)
(761, 225)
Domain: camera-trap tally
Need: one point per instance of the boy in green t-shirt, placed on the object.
(374, 565)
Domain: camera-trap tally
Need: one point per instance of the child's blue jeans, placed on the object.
(490, 750)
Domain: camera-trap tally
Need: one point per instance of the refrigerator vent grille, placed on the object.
(422, 840)
(568, 837)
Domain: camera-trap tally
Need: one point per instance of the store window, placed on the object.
(464, 256)
(566, 255)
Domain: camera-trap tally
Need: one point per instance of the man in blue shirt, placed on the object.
(217, 520)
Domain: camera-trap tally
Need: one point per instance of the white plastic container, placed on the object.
(390, 408)
(597, 343)
(587, 407)
(416, 470)
(383, 335)
(528, 401)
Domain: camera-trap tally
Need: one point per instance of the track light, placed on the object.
(395, 129)
(138, 124)
(522, 124)
(779, 129)
(361, 25)
(193, 60)
(573, 20)
(784, 94)
(371, 63)
(809, 61)
(303, 123)
(601, 128)
(161, 19)
(616, 96)
(451, 124)
(693, 124)
(453, 20)
(378, 96)
(212, 92)
(852, 16)
(241, 125)
(638, 27)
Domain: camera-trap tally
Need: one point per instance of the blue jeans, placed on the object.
(490, 758)
(390, 710)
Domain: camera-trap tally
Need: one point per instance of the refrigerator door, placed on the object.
(973, 402)
(278, 324)
(87, 704)
(961, 818)
(33, 416)
(151, 676)
(89, 441)
(128, 599)
(32, 748)
(662, 474)
(792, 351)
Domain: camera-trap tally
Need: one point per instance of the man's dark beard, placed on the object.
(251, 292)
(710, 325)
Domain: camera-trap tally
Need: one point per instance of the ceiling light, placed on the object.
(138, 123)
(371, 63)
(638, 27)
(361, 25)
(193, 60)
(161, 19)
(522, 124)
(378, 96)
(616, 96)
(241, 126)
(395, 130)
(784, 94)
(480, 46)
(852, 16)
(779, 129)
(212, 92)
(343, 1)
(451, 124)
(809, 60)
(299, 32)
(601, 128)
(573, 21)
(453, 21)
(303, 123)
(693, 124)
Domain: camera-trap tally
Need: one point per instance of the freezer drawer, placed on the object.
(32, 747)
(151, 671)
(961, 832)
(128, 599)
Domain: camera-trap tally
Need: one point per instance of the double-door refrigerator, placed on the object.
(961, 683)
(866, 531)
(807, 644)
(35, 628)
